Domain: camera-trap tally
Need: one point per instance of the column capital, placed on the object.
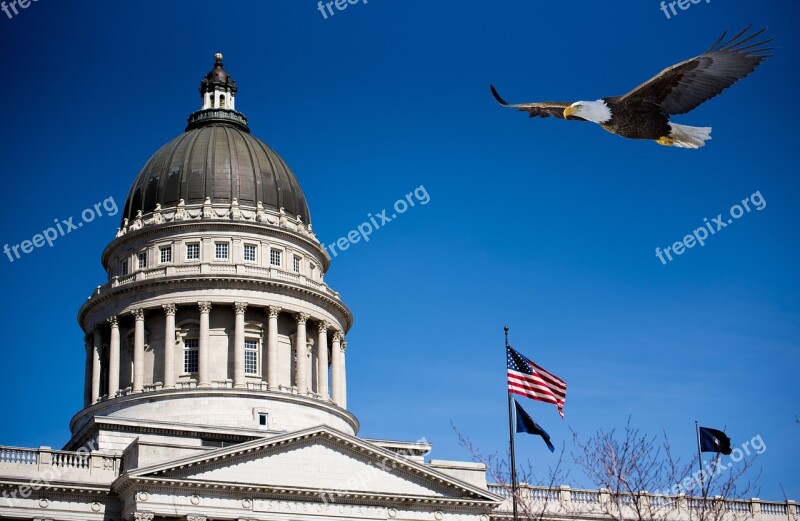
(240, 307)
(113, 321)
(322, 326)
(194, 517)
(138, 314)
(343, 345)
(301, 318)
(170, 309)
(274, 311)
(337, 336)
(143, 516)
(205, 307)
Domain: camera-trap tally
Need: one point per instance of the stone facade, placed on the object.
(215, 357)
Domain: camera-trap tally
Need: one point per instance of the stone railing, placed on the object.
(570, 503)
(210, 268)
(47, 465)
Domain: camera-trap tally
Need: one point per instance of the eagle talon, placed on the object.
(666, 141)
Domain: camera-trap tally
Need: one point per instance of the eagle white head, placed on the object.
(594, 111)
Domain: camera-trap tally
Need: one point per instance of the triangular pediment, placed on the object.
(316, 462)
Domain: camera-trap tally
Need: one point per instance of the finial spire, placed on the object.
(218, 57)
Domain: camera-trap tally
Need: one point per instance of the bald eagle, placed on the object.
(644, 112)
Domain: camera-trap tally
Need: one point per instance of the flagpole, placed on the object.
(511, 440)
(700, 460)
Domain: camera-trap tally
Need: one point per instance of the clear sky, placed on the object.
(547, 226)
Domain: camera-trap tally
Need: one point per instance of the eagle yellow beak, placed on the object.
(569, 111)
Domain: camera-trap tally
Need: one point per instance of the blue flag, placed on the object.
(526, 424)
(712, 440)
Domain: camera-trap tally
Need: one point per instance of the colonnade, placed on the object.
(334, 390)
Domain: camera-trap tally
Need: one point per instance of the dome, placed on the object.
(219, 161)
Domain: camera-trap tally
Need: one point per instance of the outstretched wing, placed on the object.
(543, 109)
(687, 85)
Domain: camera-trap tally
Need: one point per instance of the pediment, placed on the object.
(316, 462)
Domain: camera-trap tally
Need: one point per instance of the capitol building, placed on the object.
(215, 367)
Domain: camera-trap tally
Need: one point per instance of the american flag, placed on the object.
(528, 379)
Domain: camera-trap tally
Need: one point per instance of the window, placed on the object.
(262, 419)
(190, 355)
(221, 250)
(250, 252)
(193, 251)
(124, 268)
(141, 260)
(251, 356)
(296, 264)
(166, 254)
(222, 102)
(275, 257)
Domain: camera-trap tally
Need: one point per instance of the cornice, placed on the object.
(95, 411)
(126, 482)
(182, 282)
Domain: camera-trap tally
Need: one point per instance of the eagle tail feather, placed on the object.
(684, 136)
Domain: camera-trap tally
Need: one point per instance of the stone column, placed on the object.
(138, 351)
(322, 360)
(336, 368)
(88, 344)
(96, 348)
(113, 358)
(343, 378)
(300, 353)
(238, 346)
(203, 347)
(169, 345)
(272, 348)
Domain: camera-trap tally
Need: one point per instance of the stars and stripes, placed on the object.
(528, 379)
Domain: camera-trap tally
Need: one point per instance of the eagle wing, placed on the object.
(543, 109)
(689, 84)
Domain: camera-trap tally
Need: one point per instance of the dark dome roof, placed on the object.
(221, 161)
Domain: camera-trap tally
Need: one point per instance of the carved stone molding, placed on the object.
(205, 307)
(301, 318)
(170, 309)
(274, 311)
(143, 516)
(240, 307)
(138, 314)
(337, 336)
(322, 327)
(194, 517)
(113, 321)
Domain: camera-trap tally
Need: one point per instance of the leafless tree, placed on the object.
(534, 505)
(631, 466)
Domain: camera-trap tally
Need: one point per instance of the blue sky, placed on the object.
(547, 226)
